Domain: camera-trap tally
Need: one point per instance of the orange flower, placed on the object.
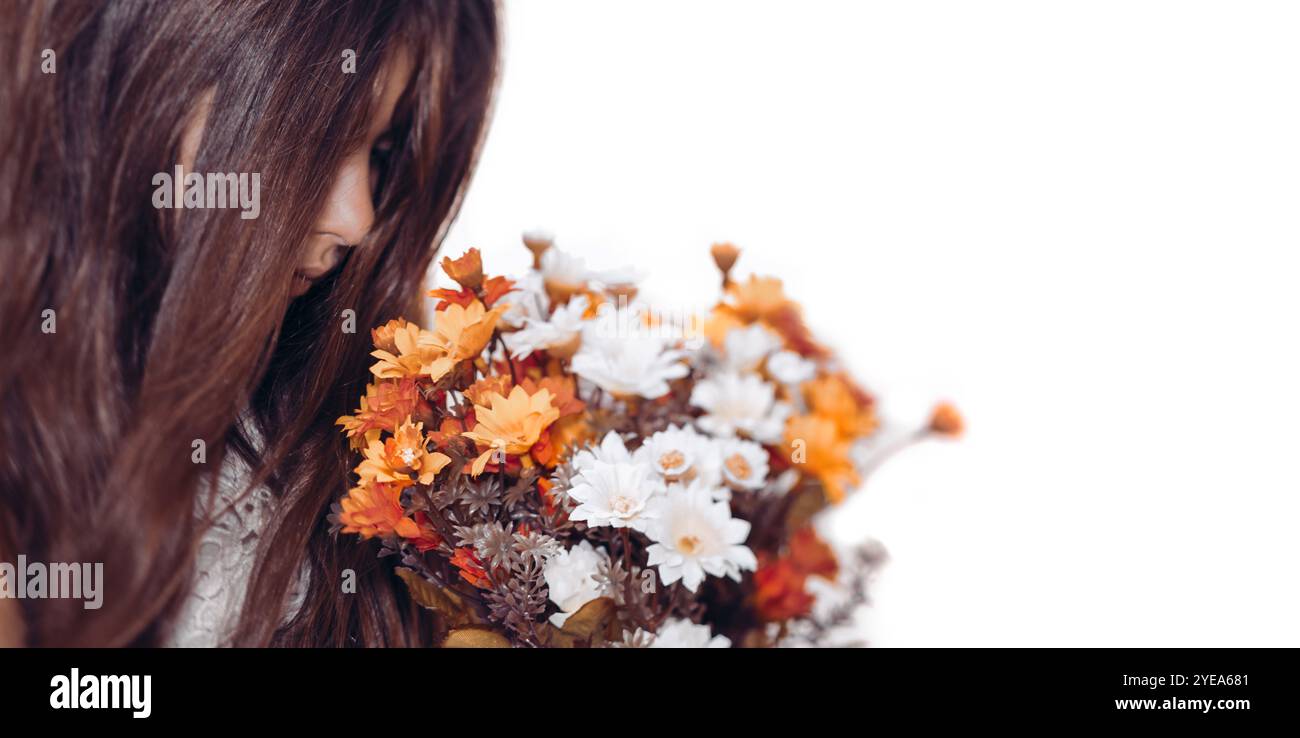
(719, 323)
(447, 297)
(563, 389)
(467, 270)
(946, 421)
(496, 288)
(568, 433)
(760, 298)
(462, 332)
(384, 406)
(415, 355)
(479, 391)
(788, 321)
(402, 459)
(384, 337)
(375, 509)
(471, 569)
(448, 429)
(493, 289)
(815, 445)
(544, 452)
(512, 424)
(836, 398)
(779, 592)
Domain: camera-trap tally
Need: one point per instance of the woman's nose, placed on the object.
(349, 212)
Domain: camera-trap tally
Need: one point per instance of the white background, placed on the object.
(1077, 220)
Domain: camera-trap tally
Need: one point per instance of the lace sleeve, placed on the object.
(225, 559)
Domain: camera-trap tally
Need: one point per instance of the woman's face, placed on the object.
(349, 211)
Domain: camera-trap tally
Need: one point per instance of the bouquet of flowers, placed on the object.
(556, 464)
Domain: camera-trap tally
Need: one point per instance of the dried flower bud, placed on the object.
(725, 255)
(384, 336)
(538, 242)
(561, 292)
(467, 270)
(625, 290)
(946, 421)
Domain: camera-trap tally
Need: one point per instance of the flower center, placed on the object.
(622, 505)
(408, 456)
(688, 544)
(738, 467)
(672, 460)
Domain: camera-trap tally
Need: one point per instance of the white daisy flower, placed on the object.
(635, 364)
(559, 268)
(787, 367)
(570, 273)
(694, 535)
(740, 403)
(679, 633)
(571, 578)
(713, 488)
(539, 236)
(563, 328)
(745, 348)
(615, 495)
(681, 454)
(611, 450)
(744, 463)
(527, 301)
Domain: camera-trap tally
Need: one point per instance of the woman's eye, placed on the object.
(381, 155)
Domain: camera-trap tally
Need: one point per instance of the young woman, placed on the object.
(170, 376)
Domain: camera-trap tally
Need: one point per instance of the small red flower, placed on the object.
(471, 569)
(447, 297)
(779, 591)
(426, 539)
(812, 555)
(543, 452)
(496, 288)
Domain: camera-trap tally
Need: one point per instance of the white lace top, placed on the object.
(225, 559)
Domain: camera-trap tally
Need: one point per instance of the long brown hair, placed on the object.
(167, 330)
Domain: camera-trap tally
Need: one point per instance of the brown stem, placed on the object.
(672, 604)
(627, 564)
(892, 450)
(496, 337)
